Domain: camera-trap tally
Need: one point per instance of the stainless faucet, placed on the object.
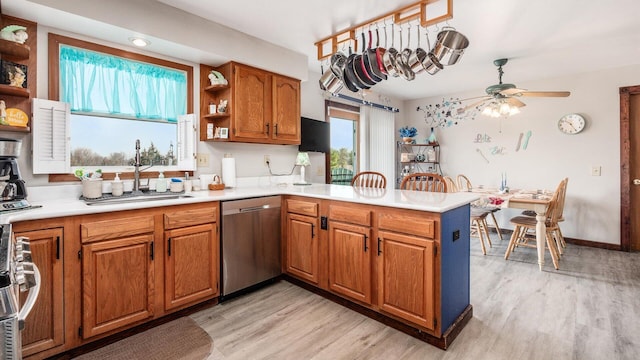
(136, 165)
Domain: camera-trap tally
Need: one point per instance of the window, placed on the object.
(343, 160)
(117, 97)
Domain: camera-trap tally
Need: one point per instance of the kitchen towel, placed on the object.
(229, 171)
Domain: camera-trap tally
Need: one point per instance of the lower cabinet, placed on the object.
(302, 240)
(44, 327)
(117, 283)
(350, 265)
(406, 281)
(191, 265)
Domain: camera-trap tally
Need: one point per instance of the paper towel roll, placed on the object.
(229, 171)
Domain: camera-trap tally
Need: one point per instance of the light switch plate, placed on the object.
(596, 170)
(203, 160)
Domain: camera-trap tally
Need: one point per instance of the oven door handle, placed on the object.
(31, 298)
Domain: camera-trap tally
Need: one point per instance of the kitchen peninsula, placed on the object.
(401, 257)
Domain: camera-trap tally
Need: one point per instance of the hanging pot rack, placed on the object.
(415, 11)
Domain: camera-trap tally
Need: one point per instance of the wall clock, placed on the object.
(571, 124)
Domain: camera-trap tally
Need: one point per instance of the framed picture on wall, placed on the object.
(13, 74)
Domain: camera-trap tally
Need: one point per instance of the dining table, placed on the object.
(535, 200)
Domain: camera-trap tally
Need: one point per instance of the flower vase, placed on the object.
(432, 138)
(407, 140)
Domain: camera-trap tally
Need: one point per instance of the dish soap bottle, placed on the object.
(117, 186)
(161, 184)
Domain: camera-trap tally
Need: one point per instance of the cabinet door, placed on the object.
(44, 327)
(252, 105)
(117, 283)
(286, 110)
(191, 265)
(406, 279)
(350, 261)
(303, 247)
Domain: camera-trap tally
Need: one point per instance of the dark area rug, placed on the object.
(178, 339)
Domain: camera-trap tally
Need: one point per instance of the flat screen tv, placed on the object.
(314, 135)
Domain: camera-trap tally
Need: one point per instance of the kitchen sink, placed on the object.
(107, 199)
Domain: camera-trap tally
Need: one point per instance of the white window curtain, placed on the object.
(377, 147)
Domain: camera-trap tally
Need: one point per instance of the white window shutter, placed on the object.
(187, 142)
(51, 141)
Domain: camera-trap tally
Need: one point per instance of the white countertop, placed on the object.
(63, 200)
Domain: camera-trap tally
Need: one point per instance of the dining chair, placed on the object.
(464, 184)
(424, 182)
(451, 185)
(525, 226)
(370, 179)
(480, 227)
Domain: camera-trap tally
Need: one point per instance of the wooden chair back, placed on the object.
(561, 199)
(451, 185)
(369, 179)
(554, 212)
(464, 184)
(424, 182)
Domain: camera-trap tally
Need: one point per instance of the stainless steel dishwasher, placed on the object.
(250, 243)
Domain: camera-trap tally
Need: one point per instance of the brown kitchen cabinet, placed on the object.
(262, 107)
(44, 326)
(24, 54)
(350, 247)
(406, 253)
(191, 257)
(117, 273)
(302, 257)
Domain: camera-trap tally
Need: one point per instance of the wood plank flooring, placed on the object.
(589, 309)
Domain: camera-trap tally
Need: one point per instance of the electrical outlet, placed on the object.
(203, 160)
(596, 170)
(267, 160)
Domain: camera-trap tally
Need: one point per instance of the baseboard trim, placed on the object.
(594, 244)
(442, 342)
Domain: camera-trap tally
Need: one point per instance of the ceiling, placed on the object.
(542, 39)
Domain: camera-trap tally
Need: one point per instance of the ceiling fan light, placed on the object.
(504, 108)
(487, 110)
(514, 110)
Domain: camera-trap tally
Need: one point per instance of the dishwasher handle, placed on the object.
(255, 208)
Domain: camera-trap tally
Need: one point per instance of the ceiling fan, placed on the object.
(501, 94)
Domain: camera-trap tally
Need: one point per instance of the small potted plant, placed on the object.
(407, 134)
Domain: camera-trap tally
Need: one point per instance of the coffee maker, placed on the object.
(13, 191)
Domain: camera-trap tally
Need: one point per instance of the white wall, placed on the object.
(592, 207)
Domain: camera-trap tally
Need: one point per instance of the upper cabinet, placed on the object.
(18, 56)
(262, 107)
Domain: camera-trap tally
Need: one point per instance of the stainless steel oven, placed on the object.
(17, 273)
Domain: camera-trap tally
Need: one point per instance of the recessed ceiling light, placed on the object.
(139, 41)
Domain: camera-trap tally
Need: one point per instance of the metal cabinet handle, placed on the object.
(267, 129)
(379, 251)
(169, 246)
(312, 233)
(275, 129)
(365, 243)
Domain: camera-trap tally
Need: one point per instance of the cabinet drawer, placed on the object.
(350, 215)
(302, 207)
(182, 217)
(408, 224)
(116, 228)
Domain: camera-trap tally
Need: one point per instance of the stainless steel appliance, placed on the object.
(13, 191)
(250, 243)
(17, 273)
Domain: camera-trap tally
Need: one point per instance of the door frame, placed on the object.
(625, 163)
(327, 118)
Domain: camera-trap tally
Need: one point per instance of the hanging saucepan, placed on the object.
(372, 57)
(449, 46)
(416, 58)
(430, 62)
(361, 71)
(331, 80)
(380, 51)
(389, 57)
(350, 71)
(348, 76)
(402, 60)
(366, 65)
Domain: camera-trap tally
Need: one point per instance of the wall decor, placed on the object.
(482, 138)
(498, 150)
(519, 141)
(482, 154)
(527, 136)
(446, 113)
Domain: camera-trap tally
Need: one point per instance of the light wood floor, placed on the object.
(590, 309)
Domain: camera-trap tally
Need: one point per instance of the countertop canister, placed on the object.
(229, 170)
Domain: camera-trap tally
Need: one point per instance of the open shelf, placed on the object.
(14, 91)
(14, 49)
(214, 88)
(24, 129)
(217, 116)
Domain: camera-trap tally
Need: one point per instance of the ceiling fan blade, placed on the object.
(545, 93)
(486, 97)
(472, 105)
(515, 102)
(512, 92)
